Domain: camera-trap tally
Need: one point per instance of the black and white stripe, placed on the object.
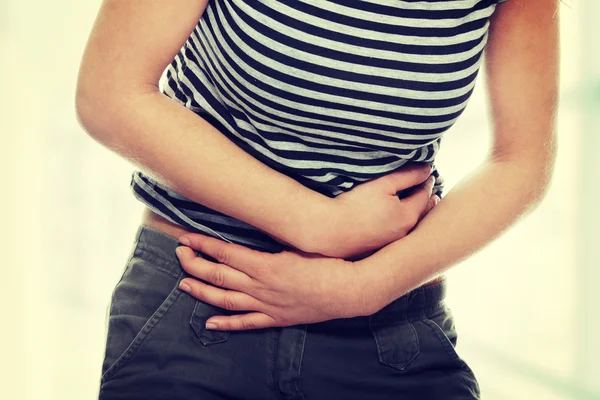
(331, 93)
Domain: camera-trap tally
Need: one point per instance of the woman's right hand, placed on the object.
(372, 215)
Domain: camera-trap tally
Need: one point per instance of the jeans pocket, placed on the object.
(425, 343)
(139, 301)
(202, 312)
(438, 339)
(396, 340)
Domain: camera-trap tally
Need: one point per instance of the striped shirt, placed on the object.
(331, 93)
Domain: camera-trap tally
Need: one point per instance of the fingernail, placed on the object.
(210, 325)
(185, 287)
(184, 240)
(179, 251)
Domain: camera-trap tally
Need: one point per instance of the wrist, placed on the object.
(375, 287)
(315, 232)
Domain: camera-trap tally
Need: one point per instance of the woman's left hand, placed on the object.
(281, 289)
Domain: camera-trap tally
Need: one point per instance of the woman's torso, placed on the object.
(330, 93)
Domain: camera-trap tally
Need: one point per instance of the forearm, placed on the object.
(477, 210)
(183, 151)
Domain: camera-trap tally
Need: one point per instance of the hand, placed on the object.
(371, 215)
(281, 289)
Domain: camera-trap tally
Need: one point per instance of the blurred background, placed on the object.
(526, 307)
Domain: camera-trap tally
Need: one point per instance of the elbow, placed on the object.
(532, 168)
(83, 108)
(90, 103)
(95, 102)
(97, 110)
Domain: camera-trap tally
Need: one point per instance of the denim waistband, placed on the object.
(161, 247)
(418, 303)
(425, 300)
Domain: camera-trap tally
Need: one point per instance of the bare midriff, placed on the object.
(155, 221)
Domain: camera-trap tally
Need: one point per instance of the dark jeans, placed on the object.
(158, 348)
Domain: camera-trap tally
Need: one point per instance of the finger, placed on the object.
(236, 256)
(218, 274)
(418, 201)
(407, 177)
(227, 299)
(242, 322)
(430, 204)
(433, 201)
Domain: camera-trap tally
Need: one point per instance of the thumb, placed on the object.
(433, 201)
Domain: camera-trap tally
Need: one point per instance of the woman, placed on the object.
(288, 158)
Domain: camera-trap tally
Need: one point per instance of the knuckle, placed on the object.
(229, 303)
(248, 324)
(432, 180)
(222, 255)
(217, 276)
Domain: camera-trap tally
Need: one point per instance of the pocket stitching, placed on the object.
(143, 333)
(399, 366)
(132, 253)
(198, 333)
(159, 261)
(445, 341)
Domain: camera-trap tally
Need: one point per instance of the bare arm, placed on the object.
(119, 103)
(522, 72)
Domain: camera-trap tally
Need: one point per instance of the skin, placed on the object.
(119, 104)
(325, 273)
(294, 287)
